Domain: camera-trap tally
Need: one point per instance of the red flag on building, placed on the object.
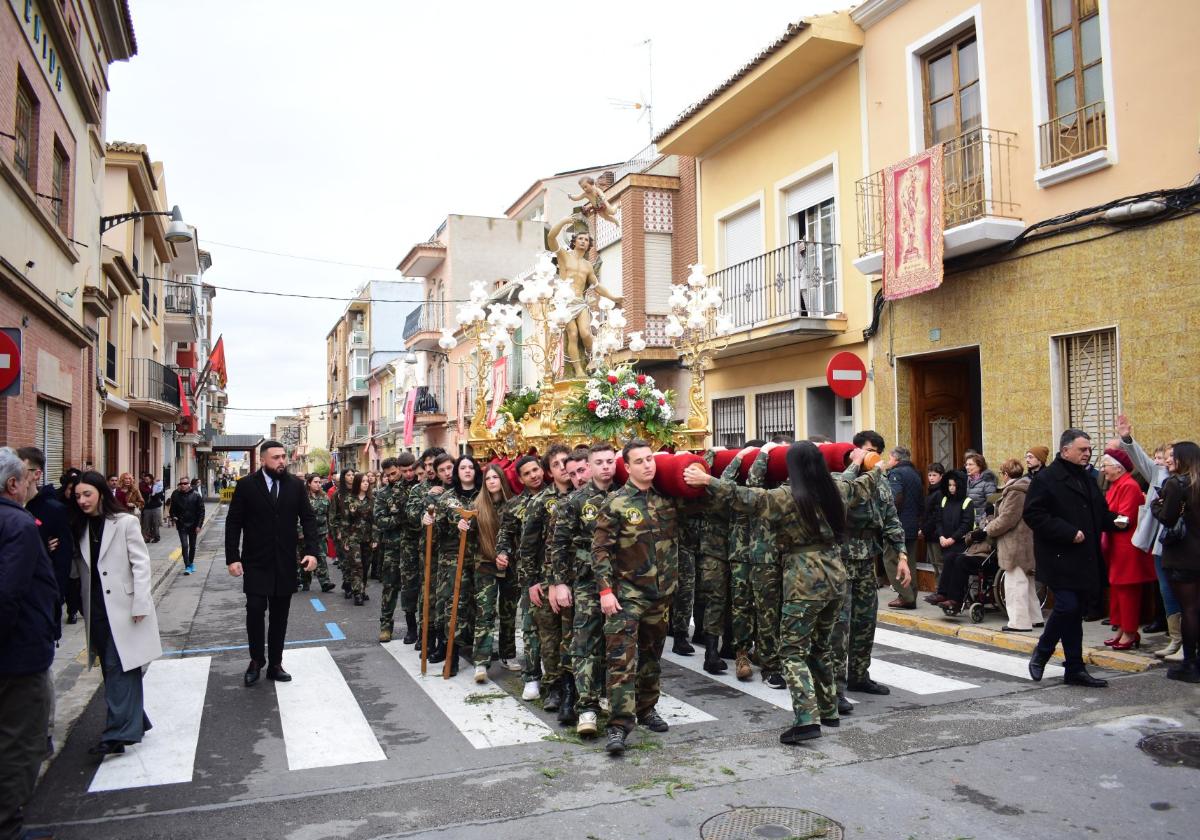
(216, 361)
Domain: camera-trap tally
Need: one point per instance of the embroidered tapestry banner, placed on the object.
(912, 225)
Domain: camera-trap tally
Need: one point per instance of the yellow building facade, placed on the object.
(778, 149)
(1061, 303)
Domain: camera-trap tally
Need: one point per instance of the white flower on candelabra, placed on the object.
(712, 298)
(447, 341)
(479, 295)
(606, 305)
(696, 279)
(696, 321)
(545, 266)
(724, 325)
(636, 342)
(616, 319)
(678, 298)
(673, 329)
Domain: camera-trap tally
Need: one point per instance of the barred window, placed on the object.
(729, 422)
(775, 414)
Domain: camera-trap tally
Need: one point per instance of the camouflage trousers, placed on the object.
(755, 589)
(854, 634)
(681, 604)
(587, 644)
(554, 638)
(390, 575)
(634, 639)
(322, 571)
(532, 667)
(447, 565)
(410, 576)
(713, 590)
(495, 596)
(350, 562)
(805, 646)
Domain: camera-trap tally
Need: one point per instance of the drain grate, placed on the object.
(770, 824)
(1177, 749)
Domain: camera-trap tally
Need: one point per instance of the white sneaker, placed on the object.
(605, 706)
(480, 673)
(533, 690)
(586, 724)
(510, 665)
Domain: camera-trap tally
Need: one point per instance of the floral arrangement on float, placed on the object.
(616, 403)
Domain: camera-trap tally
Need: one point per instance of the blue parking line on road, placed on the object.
(317, 605)
(335, 635)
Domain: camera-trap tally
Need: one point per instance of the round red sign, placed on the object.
(10, 361)
(846, 375)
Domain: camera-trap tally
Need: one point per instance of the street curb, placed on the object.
(1112, 660)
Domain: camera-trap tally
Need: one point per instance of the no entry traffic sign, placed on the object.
(846, 375)
(10, 362)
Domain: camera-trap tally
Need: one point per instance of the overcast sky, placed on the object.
(347, 131)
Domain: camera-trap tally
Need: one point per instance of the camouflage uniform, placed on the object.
(508, 541)
(871, 525)
(389, 527)
(814, 580)
(755, 576)
(713, 587)
(320, 506)
(419, 499)
(635, 553)
(446, 536)
(571, 564)
(689, 550)
(553, 629)
(350, 520)
(496, 591)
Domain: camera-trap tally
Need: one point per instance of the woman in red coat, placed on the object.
(1128, 566)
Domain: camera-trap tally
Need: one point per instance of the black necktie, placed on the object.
(275, 492)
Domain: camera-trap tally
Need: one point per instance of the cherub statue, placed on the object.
(597, 204)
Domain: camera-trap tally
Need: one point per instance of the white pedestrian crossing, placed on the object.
(174, 691)
(914, 680)
(323, 725)
(1000, 663)
(485, 714)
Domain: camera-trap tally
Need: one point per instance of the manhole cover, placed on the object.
(770, 824)
(1173, 748)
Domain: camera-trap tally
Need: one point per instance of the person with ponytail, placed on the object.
(809, 519)
(496, 591)
(1178, 509)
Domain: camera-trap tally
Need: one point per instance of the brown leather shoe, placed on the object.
(742, 666)
(901, 604)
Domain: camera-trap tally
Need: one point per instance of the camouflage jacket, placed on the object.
(320, 506)
(634, 542)
(536, 531)
(872, 524)
(418, 501)
(813, 569)
(570, 555)
(350, 519)
(512, 523)
(389, 513)
(445, 527)
(750, 538)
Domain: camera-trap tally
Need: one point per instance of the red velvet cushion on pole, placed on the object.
(622, 474)
(747, 463)
(722, 458)
(777, 465)
(514, 481)
(668, 475)
(835, 455)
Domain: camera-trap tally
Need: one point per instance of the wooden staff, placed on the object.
(425, 599)
(462, 551)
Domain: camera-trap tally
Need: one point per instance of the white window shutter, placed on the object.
(742, 235)
(809, 193)
(658, 273)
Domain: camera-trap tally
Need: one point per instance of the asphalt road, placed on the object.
(360, 746)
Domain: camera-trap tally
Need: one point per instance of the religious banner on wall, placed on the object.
(410, 414)
(912, 225)
(499, 387)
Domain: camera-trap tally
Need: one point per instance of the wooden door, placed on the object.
(941, 411)
(111, 449)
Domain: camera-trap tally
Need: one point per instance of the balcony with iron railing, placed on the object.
(788, 293)
(357, 432)
(423, 326)
(153, 390)
(1074, 135)
(181, 319)
(430, 407)
(186, 375)
(979, 209)
(359, 386)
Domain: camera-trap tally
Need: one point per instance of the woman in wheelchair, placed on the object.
(951, 529)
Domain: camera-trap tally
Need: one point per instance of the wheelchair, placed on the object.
(985, 590)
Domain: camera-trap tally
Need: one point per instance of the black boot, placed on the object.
(410, 624)
(713, 663)
(566, 712)
(727, 651)
(698, 621)
(554, 696)
(682, 646)
(438, 654)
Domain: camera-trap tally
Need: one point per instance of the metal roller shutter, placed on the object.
(743, 236)
(1091, 375)
(658, 273)
(50, 430)
(809, 192)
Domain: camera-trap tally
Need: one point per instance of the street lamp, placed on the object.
(177, 231)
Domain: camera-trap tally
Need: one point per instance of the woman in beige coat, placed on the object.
(122, 628)
(1014, 547)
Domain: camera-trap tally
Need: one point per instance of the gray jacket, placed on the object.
(1145, 535)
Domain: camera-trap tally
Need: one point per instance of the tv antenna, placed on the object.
(644, 103)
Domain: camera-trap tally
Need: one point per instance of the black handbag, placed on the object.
(1176, 532)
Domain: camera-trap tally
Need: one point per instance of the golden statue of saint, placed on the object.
(577, 269)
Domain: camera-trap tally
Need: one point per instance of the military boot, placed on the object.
(410, 624)
(698, 619)
(385, 634)
(742, 666)
(438, 653)
(681, 646)
(554, 696)
(566, 712)
(713, 663)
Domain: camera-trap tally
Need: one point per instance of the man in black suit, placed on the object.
(260, 547)
(1067, 513)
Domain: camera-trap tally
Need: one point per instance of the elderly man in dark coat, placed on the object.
(1067, 513)
(260, 547)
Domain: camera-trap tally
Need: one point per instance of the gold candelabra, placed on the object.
(699, 330)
